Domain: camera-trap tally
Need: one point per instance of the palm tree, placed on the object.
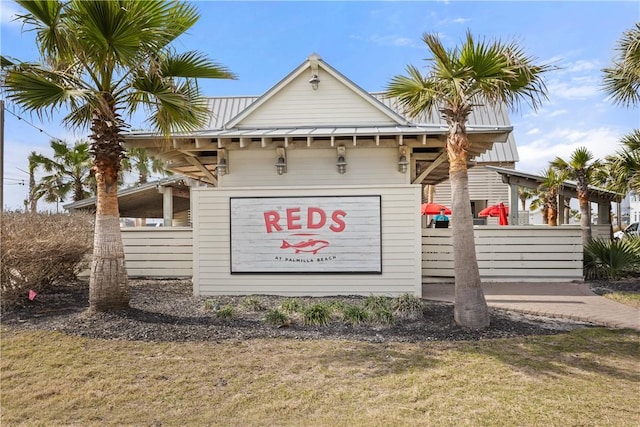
(34, 160)
(625, 164)
(622, 80)
(582, 169)
(137, 160)
(458, 80)
(552, 182)
(102, 59)
(52, 189)
(524, 194)
(70, 168)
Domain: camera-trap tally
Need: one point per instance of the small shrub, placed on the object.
(211, 304)
(225, 312)
(382, 315)
(337, 306)
(276, 317)
(407, 306)
(377, 302)
(41, 250)
(355, 314)
(291, 305)
(317, 314)
(252, 303)
(604, 259)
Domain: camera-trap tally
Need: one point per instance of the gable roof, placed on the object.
(315, 67)
(337, 112)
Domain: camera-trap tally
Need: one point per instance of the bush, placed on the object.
(225, 312)
(355, 314)
(212, 305)
(407, 306)
(252, 303)
(604, 259)
(276, 317)
(377, 302)
(42, 250)
(291, 305)
(317, 314)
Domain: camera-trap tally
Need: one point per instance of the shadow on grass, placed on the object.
(615, 353)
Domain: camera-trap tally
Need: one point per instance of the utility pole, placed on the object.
(1, 156)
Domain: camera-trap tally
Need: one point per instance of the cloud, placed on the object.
(535, 154)
(448, 21)
(575, 88)
(390, 40)
(8, 13)
(582, 65)
(533, 131)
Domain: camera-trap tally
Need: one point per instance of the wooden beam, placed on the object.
(207, 173)
(437, 162)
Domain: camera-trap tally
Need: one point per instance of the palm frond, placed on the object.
(622, 80)
(414, 93)
(193, 64)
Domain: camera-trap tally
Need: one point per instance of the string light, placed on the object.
(31, 124)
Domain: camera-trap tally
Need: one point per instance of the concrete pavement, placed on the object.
(565, 300)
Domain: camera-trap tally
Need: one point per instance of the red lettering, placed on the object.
(322, 220)
(293, 215)
(338, 222)
(271, 219)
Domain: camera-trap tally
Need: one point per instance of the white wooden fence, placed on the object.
(158, 252)
(505, 254)
(508, 254)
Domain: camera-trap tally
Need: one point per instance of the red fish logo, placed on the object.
(310, 245)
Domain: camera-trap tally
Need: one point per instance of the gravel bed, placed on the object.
(165, 310)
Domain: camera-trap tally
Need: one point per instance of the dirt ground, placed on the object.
(165, 310)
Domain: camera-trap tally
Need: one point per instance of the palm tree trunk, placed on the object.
(470, 308)
(585, 217)
(33, 202)
(108, 284)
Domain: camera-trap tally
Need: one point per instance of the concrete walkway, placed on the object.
(565, 300)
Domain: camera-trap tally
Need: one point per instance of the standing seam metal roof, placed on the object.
(225, 108)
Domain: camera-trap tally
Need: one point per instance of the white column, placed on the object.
(167, 206)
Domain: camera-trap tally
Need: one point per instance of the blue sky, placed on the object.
(370, 42)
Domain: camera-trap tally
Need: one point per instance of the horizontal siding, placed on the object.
(601, 231)
(508, 254)
(333, 104)
(484, 185)
(365, 166)
(158, 252)
(401, 263)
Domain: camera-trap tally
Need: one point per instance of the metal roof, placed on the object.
(196, 153)
(225, 108)
(144, 200)
(569, 189)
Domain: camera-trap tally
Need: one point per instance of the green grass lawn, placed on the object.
(588, 377)
(628, 298)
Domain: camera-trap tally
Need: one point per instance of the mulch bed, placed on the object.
(166, 310)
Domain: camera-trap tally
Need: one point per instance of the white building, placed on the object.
(317, 186)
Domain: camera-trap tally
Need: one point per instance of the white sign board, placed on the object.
(331, 234)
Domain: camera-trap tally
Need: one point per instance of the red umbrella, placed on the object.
(500, 210)
(434, 209)
(493, 211)
(502, 217)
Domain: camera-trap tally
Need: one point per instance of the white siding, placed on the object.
(333, 104)
(158, 252)
(484, 185)
(401, 263)
(365, 166)
(509, 254)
